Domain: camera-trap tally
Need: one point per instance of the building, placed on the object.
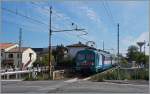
(13, 57)
(74, 48)
(42, 51)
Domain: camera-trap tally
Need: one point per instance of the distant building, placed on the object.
(12, 57)
(74, 48)
(41, 52)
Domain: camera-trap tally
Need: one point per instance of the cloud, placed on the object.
(143, 36)
(129, 40)
(90, 13)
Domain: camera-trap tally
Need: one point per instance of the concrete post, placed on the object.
(16, 76)
(7, 76)
(53, 76)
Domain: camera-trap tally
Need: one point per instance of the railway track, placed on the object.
(81, 76)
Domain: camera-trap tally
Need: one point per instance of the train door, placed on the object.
(100, 62)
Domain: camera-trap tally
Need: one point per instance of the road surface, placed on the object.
(71, 86)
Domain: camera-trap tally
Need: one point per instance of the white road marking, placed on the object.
(87, 78)
(71, 80)
(126, 84)
(13, 80)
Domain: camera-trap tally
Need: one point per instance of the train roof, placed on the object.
(99, 51)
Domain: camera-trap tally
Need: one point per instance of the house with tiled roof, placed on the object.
(14, 57)
(8, 46)
(74, 48)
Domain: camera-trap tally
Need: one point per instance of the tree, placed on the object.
(123, 61)
(132, 53)
(59, 54)
(142, 58)
(43, 61)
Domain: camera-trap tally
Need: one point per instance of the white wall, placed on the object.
(26, 57)
(74, 50)
(14, 46)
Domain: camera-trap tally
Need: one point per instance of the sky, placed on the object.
(99, 18)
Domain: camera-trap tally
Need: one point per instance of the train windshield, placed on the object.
(81, 57)
(89, 56)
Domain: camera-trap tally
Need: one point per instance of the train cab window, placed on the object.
(89, 56)
(81, 57)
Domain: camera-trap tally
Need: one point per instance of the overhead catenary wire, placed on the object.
(107, 4)
(37, 21)
(108, 12)
(24, 27)
(17, 13)
(56, 14)
(29, 18)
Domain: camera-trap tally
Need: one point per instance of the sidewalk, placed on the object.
(135, 82)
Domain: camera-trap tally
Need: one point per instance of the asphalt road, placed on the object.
(71, 86)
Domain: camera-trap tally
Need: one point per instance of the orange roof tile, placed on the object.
(17, 49)
(5, 45)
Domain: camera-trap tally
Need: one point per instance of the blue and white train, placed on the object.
(89, 60)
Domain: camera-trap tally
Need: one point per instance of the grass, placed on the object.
(138, 74)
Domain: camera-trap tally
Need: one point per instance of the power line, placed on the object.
(17, 13)
(54, 12)
(58, 16)
(34, 20)
(107, 4)
(108, 12)
(25, 29)
(29, 18)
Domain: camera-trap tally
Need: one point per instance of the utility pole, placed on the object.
(103, 45)
(144, 54)
(118, 49)
(118, 42)
(50, 35)
(20, 44)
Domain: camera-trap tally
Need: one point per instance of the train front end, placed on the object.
(85, 61)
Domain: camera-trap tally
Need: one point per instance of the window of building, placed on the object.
(10, 55)
(30, 54)
(18, 55)
(1, 54)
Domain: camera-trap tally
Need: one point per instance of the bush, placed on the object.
(40, 76)
(98, 77)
